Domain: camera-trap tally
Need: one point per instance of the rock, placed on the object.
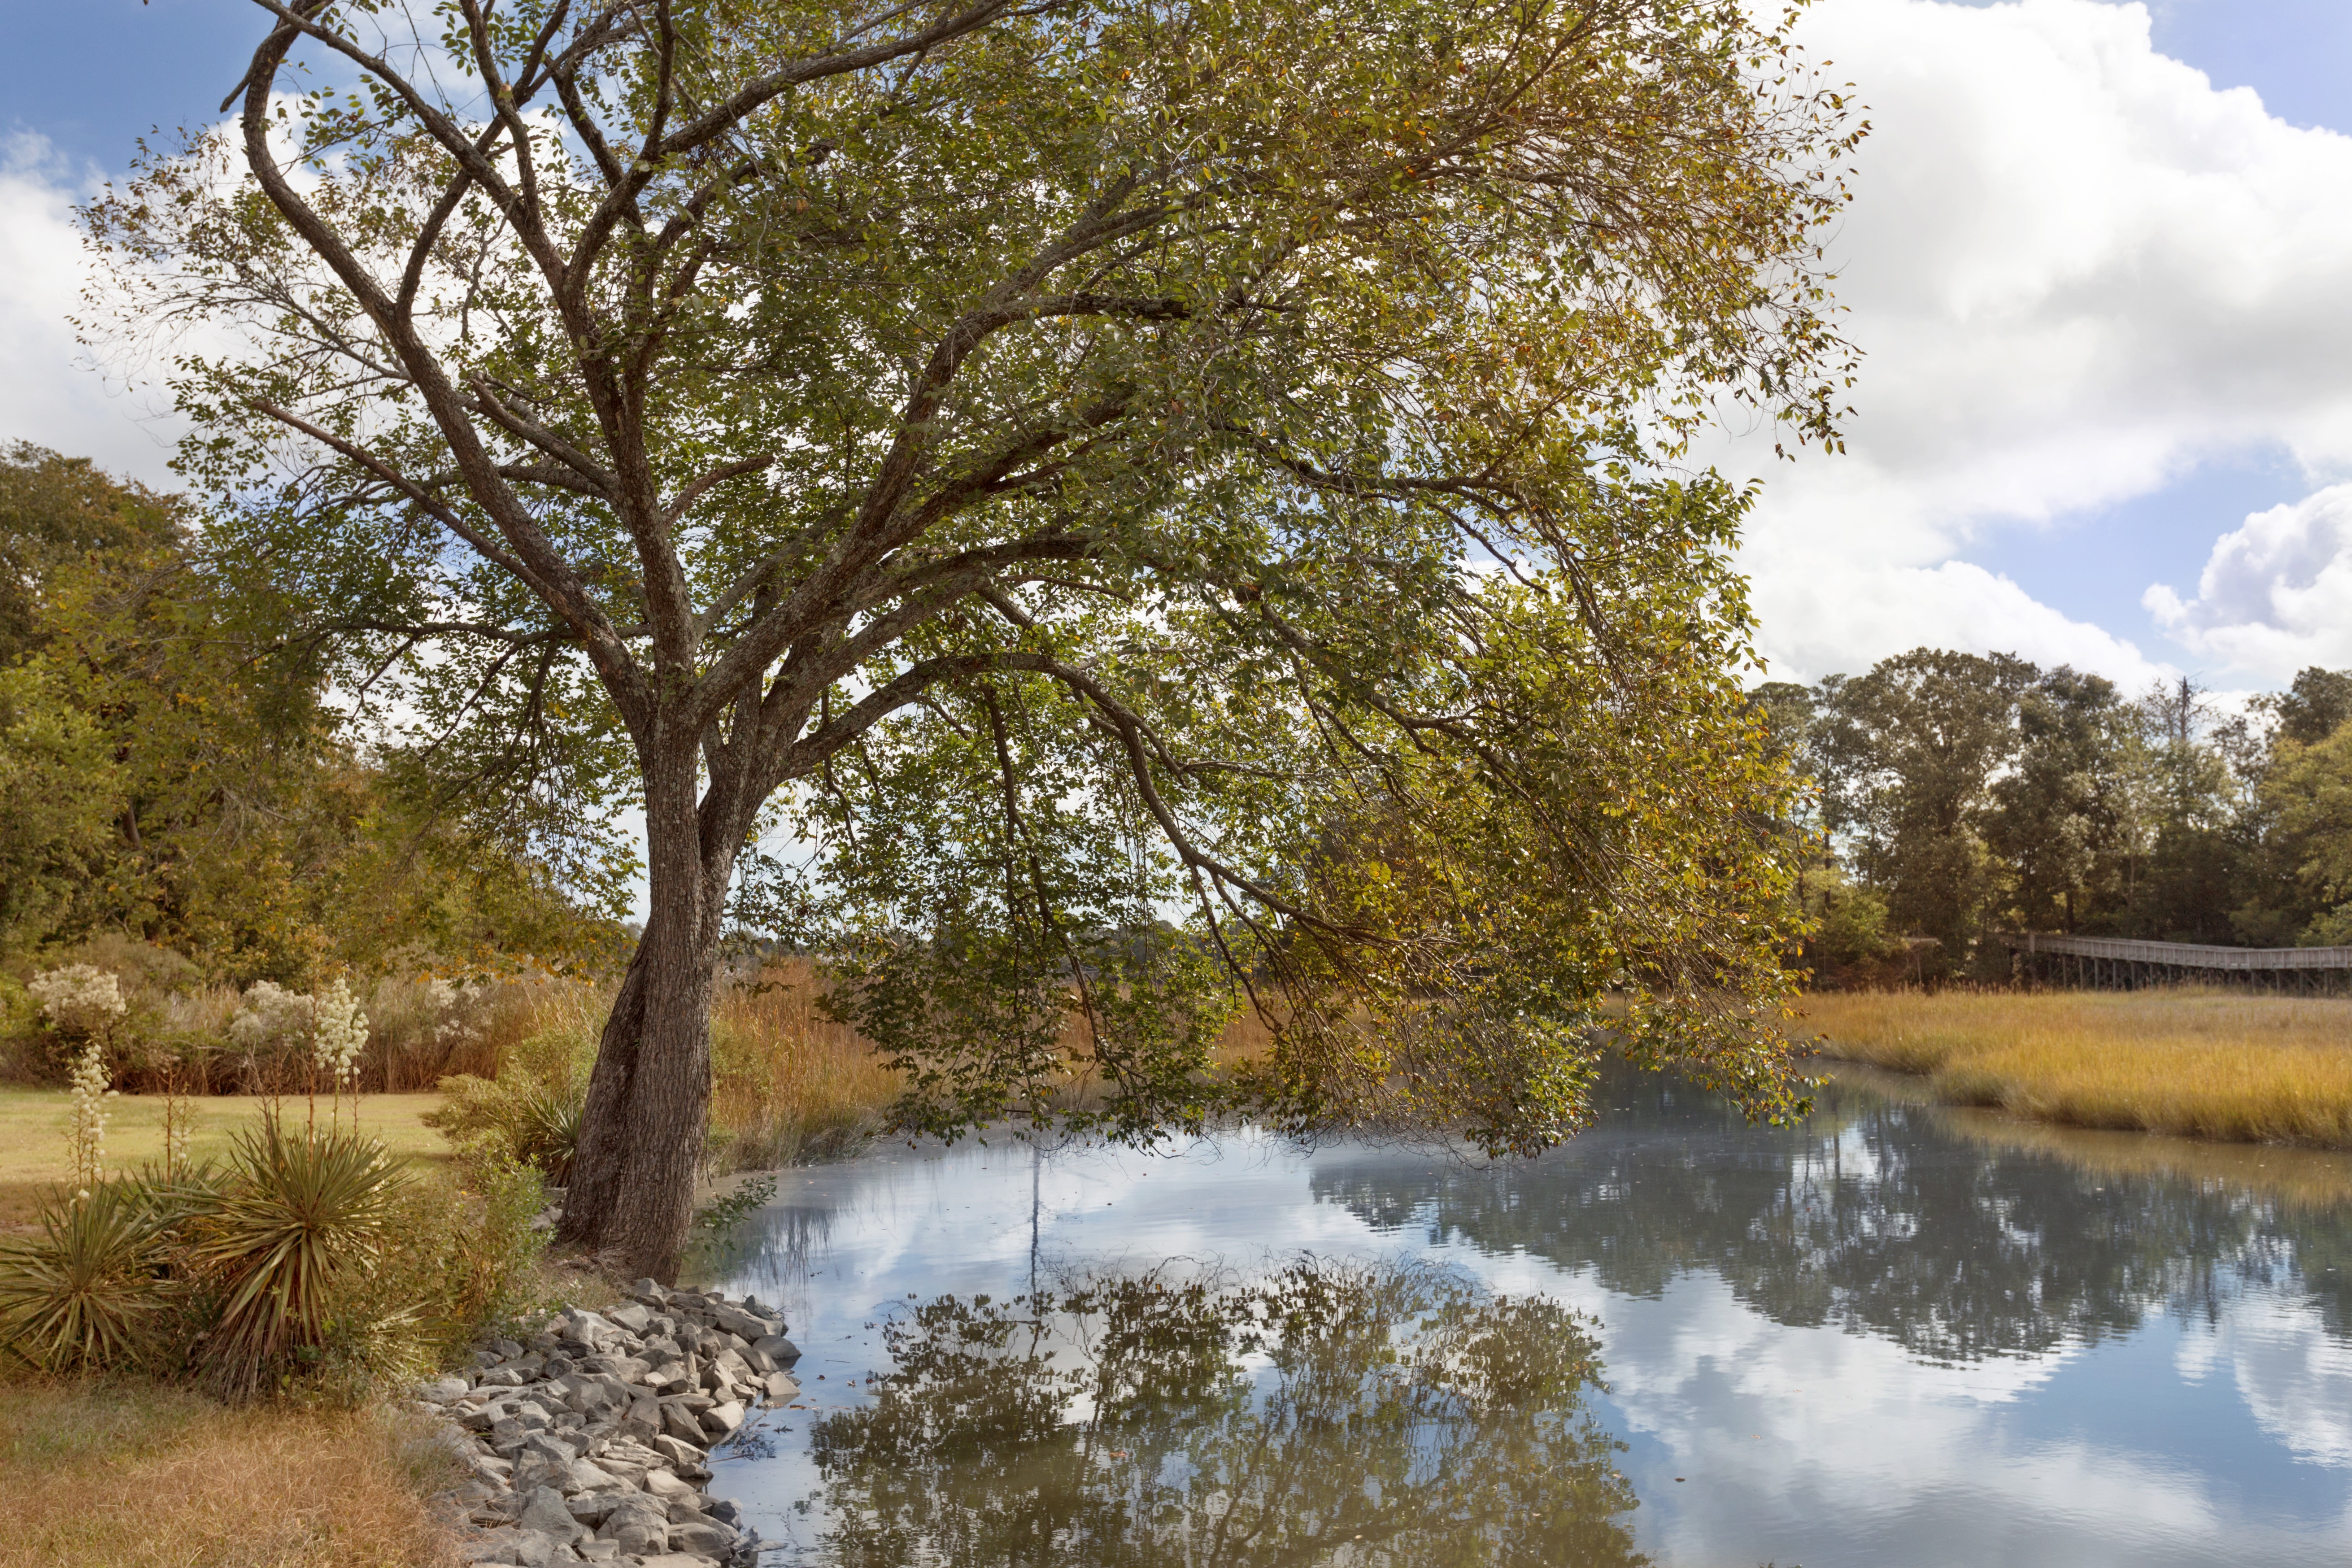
(735, 1321)
(664, 1485)
(782, 1350)
(537, 1547)
(543, 1511)
(781, 1387)
(687, 1456)
(679, 1560)
(726, 1512)
(502, 1377)
(679, 1422)
(557, 1451)
(706, 1536)
(498, 1546)
(598, 1551)
(443, 1390)
(639, 1535)
(721, 1419)
(585, 1476)
(632, 1316)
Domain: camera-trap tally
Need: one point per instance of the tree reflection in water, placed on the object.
(1880, 1218)
(1330, 1414)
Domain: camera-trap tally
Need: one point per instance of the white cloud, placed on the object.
(2077, 270)
(2276, 593)
(52, 394)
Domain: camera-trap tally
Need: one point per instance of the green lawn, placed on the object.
(32, 1134)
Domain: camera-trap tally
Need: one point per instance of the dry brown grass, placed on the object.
(2212, 1065)
(94, 1476)
(788, 1084)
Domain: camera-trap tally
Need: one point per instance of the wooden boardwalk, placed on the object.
(2125, 964)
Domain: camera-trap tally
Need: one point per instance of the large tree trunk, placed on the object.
(631, 1200)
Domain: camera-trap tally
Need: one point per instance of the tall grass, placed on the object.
(788, 1084)
(2203, 1064)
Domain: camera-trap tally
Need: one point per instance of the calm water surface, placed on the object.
(1897, 1335)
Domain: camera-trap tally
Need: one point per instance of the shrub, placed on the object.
(89, 1291)
(514, 1120)
(295, 1218)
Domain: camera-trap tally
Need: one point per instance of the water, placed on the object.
(1897, 1335)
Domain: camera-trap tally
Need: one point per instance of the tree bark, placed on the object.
(631, 1201)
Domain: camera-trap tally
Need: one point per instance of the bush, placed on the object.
(296, 1218)
(89, 1292)
(512, 1120)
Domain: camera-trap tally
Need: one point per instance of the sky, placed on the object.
(2099, 263)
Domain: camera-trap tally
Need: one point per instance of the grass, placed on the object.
(2211, 1065)
(33, 1142)
(100, 1476)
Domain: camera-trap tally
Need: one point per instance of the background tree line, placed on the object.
(1956, 795)
(174, 768)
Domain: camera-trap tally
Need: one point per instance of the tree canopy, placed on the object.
(1145, 497)
(1958, 793)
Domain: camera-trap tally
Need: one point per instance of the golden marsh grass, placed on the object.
(2201, 1064)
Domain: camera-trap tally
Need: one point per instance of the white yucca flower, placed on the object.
(86, 1133)
(339, 1033)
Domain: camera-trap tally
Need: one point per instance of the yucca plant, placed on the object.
(87, 1292)
(296, 1217)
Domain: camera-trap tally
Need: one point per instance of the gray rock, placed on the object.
(721, 1419)
(443, 1390)
(782, 1350)
(664, 1485)
(498, 1546)
(586, 1476)
(679, 1560)
(630, 1315)
(736, 1320)
(590, 1509)
(557, 1451)
(598, 1551)
(543, 1511)
(537, 1547)
(685, 1456)
(679, 1422)
(781, 1387)
(704, 1535)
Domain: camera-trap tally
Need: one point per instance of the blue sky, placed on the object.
(2103, 303)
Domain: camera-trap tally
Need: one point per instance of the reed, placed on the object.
(2203, 1063)
(788, 1083)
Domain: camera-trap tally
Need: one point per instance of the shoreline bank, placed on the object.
(591, 1444)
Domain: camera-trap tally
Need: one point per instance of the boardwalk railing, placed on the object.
(2126, 964)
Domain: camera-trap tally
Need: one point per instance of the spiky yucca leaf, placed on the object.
(85, 1293)
(296, 1213)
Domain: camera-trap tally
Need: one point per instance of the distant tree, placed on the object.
(170, 770)
(1069, 458)
(2195, 857)
(1908, 756)
(2060, 814)
(2312, 708)
(55, 511)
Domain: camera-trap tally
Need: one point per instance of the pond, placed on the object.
(1897, 1335)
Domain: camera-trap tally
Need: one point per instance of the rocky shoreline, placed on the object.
(591, 1443)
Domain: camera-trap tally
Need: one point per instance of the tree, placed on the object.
(2063, 812)
(1909, 754)
(1075, 458)
(171, 770)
